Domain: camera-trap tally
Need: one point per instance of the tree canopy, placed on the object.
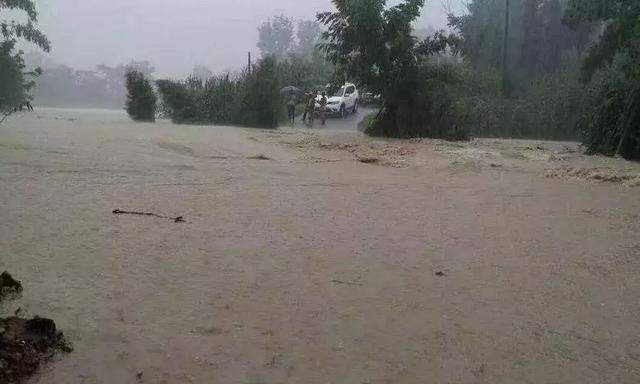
(612, 125)
(275, 37)
(308, 34)
(13, 30)
(373, 45)
(15, 81)
(621, 19)
(537, 41)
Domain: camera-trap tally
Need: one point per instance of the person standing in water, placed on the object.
(306, 101)
(291, 110)
(323, 107)
(310, 108)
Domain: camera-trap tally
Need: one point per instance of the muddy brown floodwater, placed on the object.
(319, 256)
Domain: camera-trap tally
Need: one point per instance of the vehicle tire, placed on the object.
(355, 107)
(343, 111)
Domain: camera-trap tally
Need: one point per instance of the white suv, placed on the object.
(343, 101)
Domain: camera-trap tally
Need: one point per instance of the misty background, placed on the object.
(174, 37)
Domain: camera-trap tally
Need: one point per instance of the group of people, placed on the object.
(26, 105)
(310, 110)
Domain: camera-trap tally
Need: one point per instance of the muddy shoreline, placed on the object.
(25, 344)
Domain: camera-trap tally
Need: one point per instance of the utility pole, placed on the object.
(505, 51)
(249, 62)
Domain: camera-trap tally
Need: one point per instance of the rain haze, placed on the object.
(445, 191)
(174, 38)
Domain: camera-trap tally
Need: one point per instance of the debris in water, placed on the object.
(440, 274)
(595, 174)
(346, 282)
(367, 159)
(139, 375)
(259, 157)
(24, 344)
(179, 219)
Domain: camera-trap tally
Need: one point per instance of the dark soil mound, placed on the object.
(24, 344)
(8, 284)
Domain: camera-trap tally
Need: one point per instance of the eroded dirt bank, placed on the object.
(320, 256)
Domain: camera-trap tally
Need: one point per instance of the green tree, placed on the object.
(372, 45)
(141, 98)
(308, 34)
(15, 81)
(261, 104)
(537, 39)
(275, 37)
(613, 125)
(13, 30)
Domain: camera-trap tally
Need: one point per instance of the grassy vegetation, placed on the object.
(249, 99)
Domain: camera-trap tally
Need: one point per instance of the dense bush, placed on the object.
(245, 99)
(454, 101)
(261, 105)
(549, 108)
(613, 110)
(141, 98)
(425, 105)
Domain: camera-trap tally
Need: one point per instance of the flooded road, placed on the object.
(318, 256)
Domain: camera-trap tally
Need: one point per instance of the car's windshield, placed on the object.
(339, 92)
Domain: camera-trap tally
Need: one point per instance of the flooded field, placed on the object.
(318, 256)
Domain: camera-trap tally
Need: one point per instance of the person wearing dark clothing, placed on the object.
(323, 108)
(291, 110)
(306, 100)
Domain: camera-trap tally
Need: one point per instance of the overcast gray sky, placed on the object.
(173, 35)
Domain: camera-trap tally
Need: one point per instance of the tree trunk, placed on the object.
(505, 51)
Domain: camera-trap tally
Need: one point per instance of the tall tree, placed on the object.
(532, 34)
(275, 37)
(141, 98)
(15, 81)
(613, 125)
(308, 34)
(372, 45)
(622, 24)
(505, 48)
(537, 37)
(481, 30)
